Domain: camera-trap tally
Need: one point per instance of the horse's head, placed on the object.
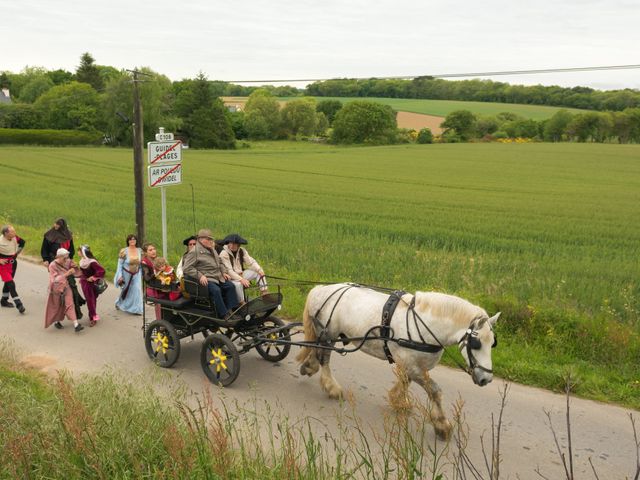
(476, 345)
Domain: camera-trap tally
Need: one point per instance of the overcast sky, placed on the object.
(290, 39)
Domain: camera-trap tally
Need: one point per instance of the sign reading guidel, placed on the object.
(165, 160)
(165, 168)
(163, 175)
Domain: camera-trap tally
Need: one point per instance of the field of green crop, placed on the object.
(442, 108)
(547, 233)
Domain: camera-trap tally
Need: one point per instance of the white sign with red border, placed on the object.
(165, 174)
(164, 152)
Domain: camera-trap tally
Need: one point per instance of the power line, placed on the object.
(454, 75)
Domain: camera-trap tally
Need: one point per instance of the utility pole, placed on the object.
(138, 170)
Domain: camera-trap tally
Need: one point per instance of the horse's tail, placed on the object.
(310, 334)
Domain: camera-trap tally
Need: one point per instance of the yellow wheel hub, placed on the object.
(161, 343)
(218, 359)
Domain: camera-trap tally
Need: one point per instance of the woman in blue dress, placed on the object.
(129, 277)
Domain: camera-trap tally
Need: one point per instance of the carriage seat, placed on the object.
(178, 304)
(198, 293)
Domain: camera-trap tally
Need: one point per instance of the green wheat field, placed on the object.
(442, 108)
(547, 233)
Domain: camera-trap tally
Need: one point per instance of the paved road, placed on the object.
(600, 432)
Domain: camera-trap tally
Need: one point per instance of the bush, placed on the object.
(20, 115)
(500, 134)
(363, 121)
(406, 135)
(49, 137)
(451, 136)
(330, 108)
(425, 136)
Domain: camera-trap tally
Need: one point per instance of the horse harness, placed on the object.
(388, 310)
(469, 340)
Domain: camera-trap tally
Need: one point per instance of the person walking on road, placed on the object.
(60, 301)
(10, 247)
(91, 271)
(129, 277)
(59, 236)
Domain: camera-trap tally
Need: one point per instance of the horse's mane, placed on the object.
(441, 305)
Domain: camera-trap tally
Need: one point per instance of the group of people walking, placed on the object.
(223, 267)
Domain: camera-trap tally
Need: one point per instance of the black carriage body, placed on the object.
(251, 326)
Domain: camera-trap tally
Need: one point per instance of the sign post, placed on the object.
(165, 168)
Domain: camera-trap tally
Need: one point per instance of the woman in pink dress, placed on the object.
(90, 271)
(60, 302)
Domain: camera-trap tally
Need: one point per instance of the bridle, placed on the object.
(471, 342)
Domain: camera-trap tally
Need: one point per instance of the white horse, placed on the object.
(422, 323)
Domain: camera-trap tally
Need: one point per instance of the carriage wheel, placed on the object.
(220, 360)
(272, 351)
(162, 343)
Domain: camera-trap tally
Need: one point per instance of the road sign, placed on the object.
(164, 137)
(163, 175)
(164, 152)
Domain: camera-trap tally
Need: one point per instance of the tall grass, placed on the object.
(110, 427)
(547, 233)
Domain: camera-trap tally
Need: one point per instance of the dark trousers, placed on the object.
(223, 296)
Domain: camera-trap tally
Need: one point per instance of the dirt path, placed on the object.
(600, 432)
(417, 121)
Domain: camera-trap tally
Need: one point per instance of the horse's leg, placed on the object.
(399, 394)
(327, 381)
(308, 356)
(440, 423)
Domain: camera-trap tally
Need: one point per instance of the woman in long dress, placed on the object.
(91, 271)
(129, 277)
(60, 301)
(59, 236)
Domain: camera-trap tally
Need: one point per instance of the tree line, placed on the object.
(99, 100)
(612, 127)
(479, 91)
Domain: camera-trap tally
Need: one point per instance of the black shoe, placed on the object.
(20, 307)
(78, 327)
(58, 325)
(6, 303)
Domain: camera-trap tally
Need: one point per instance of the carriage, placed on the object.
(253, 325)
(411, 330)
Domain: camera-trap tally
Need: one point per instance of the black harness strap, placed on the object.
(387, 314)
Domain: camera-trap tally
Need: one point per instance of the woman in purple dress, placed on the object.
(91, 271)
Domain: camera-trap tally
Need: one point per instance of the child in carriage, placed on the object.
(166, 276)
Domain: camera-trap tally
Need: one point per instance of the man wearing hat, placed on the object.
(204, 264)
(242, 267)
(190, 243)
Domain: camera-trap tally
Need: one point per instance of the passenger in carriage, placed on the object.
(203, 264)
(150, 254)
(165, 274)
(241, 266)
(190, 243)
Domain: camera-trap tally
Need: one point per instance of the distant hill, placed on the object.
(442, 108)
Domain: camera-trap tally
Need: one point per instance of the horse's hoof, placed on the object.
(306, 370)
(335, 393)
(443, 433)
